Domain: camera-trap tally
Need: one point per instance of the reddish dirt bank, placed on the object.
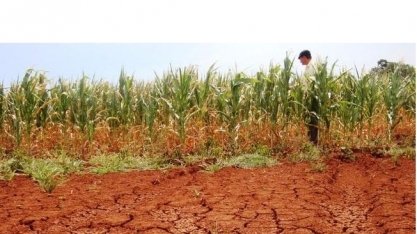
(370, 195)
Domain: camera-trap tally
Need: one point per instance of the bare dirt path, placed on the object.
(369, 195)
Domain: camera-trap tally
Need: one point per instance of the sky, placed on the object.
(70, 37)
(144, 60)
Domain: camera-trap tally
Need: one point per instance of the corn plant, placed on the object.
(85, 106)
(231, 108)
(150, 109)
(79, 106)
(204, 96)
(2, 106)
(125, 112)
(283, 91)
(92, 114)
(163, 88)
(259, 97)
(298, 100)
(395, 97)
(410, 104)
(25, 104)
(140, 90)
(182, 90)
(322, 90)
(233, 101)
(272, 93)
(60, 93)
(41, 112)
(111, 100)
(350, 101)
(371, 91)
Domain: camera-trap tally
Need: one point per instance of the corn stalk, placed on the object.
(395, 97)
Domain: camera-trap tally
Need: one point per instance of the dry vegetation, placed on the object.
(185, 113)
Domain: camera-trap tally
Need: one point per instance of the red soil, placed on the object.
(369, 195)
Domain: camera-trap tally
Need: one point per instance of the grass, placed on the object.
(347, 154)
(68, 164)
(318, 166)
(6, 169)
(52, 171)
(46, 172)
(251, 161)
(102, 164)
(311, 154)
(396, 153)
(213, 167)
(407, 152)
(307, 153)
(243, 161)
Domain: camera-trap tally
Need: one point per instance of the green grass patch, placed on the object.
(318, 166)
(49, 172)
(243, 161)
(251, 161)
(102, 164)
(6, 169)
(307, 153)
(408, 152)
(396, 153)
(67, 163)
(213, 167)
(45, 171)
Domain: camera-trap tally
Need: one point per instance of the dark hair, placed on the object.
(305, 53)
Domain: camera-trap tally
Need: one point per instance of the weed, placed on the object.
(262, 150)
(67, 163)
(191, 159)
(408, 152)
(102, 164)
(47, 173)
(397, 153)
(13, 165)
(347, 154)
(153, 163)
(6, 172)
(318, 166)
(251, 161)
(308, 152)
(212, 167)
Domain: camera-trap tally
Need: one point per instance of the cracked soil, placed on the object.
(369, 195)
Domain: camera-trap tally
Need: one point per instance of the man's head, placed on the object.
(305, 57)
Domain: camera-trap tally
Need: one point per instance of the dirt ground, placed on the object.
(369, 195)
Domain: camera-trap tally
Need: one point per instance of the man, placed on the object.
(305, 59)
(313, 104)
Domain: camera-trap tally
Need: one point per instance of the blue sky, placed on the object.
(143, 60)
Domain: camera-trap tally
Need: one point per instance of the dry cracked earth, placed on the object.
(369, 195)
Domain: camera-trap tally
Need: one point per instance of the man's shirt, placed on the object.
(307, 76)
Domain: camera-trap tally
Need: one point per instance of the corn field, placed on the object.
(184, 112)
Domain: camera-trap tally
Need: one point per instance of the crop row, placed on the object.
(187, 112)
